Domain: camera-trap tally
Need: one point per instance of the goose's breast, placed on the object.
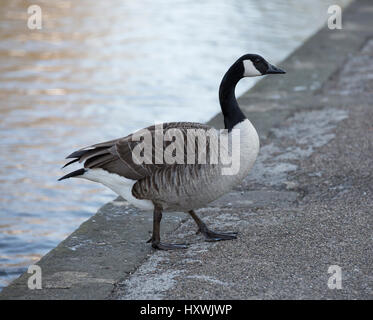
(249, 146)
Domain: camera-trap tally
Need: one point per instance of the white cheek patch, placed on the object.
(250, 70)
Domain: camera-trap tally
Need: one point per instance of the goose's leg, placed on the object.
(211, 235)
(156, 239)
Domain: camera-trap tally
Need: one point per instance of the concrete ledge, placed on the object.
(87, 264)
(95, 260)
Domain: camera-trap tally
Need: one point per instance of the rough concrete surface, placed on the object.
(306, 205)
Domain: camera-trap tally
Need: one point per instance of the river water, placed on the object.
(98, 70)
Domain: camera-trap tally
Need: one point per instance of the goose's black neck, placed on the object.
(228, 102)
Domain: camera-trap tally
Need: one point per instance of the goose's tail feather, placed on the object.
(93, 156)
(73, 174)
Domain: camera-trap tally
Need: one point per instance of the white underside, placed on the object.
(120, 185)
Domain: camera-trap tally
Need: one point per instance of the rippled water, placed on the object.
(100, 69)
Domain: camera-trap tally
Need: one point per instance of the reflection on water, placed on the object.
(100, 69)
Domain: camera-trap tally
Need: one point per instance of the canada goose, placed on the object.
(158, 186)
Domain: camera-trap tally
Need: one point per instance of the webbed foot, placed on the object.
(212, 236)
(168, 246)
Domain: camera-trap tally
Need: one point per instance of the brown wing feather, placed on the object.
(116, 156)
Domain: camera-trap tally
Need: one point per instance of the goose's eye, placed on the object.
(257, 60)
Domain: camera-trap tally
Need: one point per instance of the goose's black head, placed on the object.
(253, 65)
(249, 65)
